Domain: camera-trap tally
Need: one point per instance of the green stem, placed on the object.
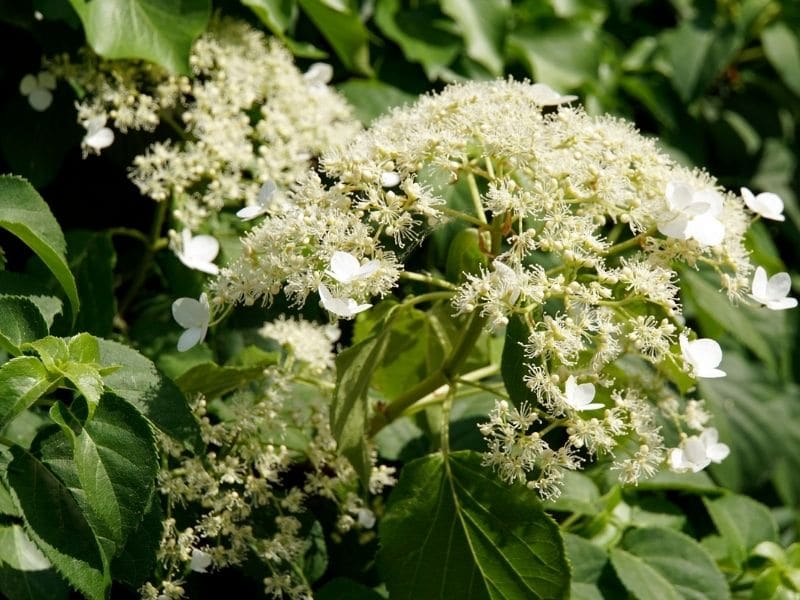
(429, 279)
(631, 243)
(154, 244)
(429, 297)
(460, 215)
(444, 375)
(476, 197)
(131, 233)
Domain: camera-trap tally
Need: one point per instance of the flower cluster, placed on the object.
(247, 117)
(234, 502)
(584, 226)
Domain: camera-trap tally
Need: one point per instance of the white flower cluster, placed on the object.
(247, 116)
(227, 496)
(585, 226)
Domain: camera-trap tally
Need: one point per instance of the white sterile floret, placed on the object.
(262, 204)
(200, 561)
(580, 396)
(38, 89)
(345, 268)
(773, 292)
(389, 179)
(703, 355)
(544, 95)
(693, 214)
(766, 204)
(98, 136)
(346, 308)
(319, 74)
(697, 452)
(193, 315)
(198, 252)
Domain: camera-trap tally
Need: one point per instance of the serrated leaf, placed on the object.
(23, 380)
(27, 216)
(160, 31)
(782, 47)
(115, 460)
(743, 523)
(57, 525)
(92, 259)
(588, 562)
(661, 564)
(214, 380)
(25, 573)
(20, 322)
(135, 562)
(451, 530)
(344, 31)
(483, 25)
(20, 284)
(349, 410)
(156, 397)
(53, 351)
(422, 32)
(86, 379)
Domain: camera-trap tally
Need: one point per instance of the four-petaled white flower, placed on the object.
(343, 307)
(579, 396)
(319, 74)
(773, 292)
(39, 90)
(766, 204)
(697, 452)
(345, 267)
(703, 355)
(193, 315)
(200, 561)
(98, 136)
(389, 179)
(544, 95)
(199, 252)
(262, 204)
(692, 215)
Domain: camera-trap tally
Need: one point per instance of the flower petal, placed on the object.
(40, 99)
(778, 286)
(250, 212)
(706, 229)
(190, 338)
(759, 286)
(188, 312)
(202, 248)
(344, 267)
(28, 84)
(99, 139)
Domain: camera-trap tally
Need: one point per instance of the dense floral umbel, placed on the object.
(247, 116)
(232, 503)
(584, 225)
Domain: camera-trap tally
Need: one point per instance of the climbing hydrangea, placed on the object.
(582, 229)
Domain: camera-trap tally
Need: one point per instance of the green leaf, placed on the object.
(340, 587)
(156, 397)
(214, 380)
(588, 562)
(27, 216)
(661, 564)
(564, 55)
(20, 284)
(160, 31)
(92, 259)
(350, 410)
(483, 24)
(135, 563)
(579, 495)
(57, 525)
(512, 363)
(451, 530)
(53, 351)
(20, 322)
(23, 380)
(277, 15)
(697, 56)
(422, 32)
(782, 47)
(370, 98)
(116, 462)
(344, 31)
(743, 523)
(25, 573)
(465, 256)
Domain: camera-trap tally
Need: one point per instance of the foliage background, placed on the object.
(717, 81)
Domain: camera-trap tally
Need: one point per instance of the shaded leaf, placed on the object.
(20, 322)
(92, 259)
(57, 525)
(23, 380)
(743, 524)
(160, 31)
(782, 47)
(25, 574)
(448, 533)
(483, 25)
(27, 216)
(370, 98)
(214, 380)
(135, 562)
(344, 31)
